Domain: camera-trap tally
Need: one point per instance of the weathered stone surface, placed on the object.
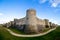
(30, 23)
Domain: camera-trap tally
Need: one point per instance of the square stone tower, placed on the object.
(47, 23)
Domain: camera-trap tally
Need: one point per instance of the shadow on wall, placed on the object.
(46, 26)
(40, 28)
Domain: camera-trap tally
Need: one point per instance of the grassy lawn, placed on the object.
(17, 31)
(54, 35)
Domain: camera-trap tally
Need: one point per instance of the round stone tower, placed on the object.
(31, 21)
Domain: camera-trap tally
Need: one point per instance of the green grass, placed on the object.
(54, 35)
(45, 30)
(17, 31)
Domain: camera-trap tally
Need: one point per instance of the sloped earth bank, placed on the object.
(54, 35)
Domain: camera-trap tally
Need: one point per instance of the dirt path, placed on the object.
(35, 35)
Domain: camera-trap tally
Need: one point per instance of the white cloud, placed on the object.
(1, 13)
(42, 1)
(6, 19)
(53, 21)
(53, 3)
(56, 21)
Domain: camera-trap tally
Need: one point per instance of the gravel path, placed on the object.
(35, 35)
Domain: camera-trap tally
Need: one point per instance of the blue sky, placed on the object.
(45, 9)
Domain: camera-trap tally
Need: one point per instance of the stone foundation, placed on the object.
(30, 29)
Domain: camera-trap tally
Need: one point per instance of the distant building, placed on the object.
(30, 23)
